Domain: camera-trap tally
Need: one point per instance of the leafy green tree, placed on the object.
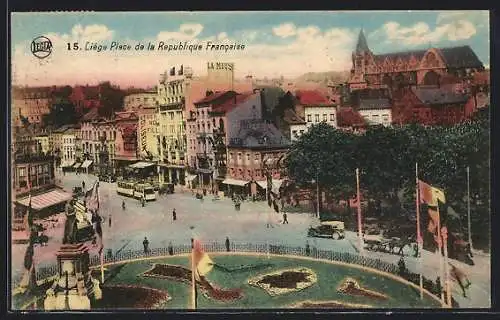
(111, 99)
(325, 155)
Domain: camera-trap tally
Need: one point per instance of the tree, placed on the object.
(324, 154)
(111, 98)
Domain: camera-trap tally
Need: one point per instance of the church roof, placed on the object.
(362, 45)
(454, 57)
(460, 57)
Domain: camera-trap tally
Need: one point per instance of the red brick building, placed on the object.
(431, 106)
(418, 67)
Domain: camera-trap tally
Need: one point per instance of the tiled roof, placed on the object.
(93, 114)
(381, 103)
(460, 57)
(311, 97)
(454, 57)
(404, 55)
(216, 95)
(259, 135)
(435, 96)
(348, 117)
(231, 103)
(292, 118)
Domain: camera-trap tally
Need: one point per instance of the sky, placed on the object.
(276, 43)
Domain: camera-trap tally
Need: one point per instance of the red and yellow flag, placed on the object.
(429, 194)
(202, 260)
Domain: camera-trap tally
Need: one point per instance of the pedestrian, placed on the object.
(192, 243)
(83, 186)
(285, 220)
(460, 277)
(469, 250)
(145, 243)
(308, 248)
(109, 220)
(402, 266)
(174, 215)
(143, 201)
(228, 245)
(439, 288)
(170, 248)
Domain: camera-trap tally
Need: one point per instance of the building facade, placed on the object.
(33, 172)
(256, 141)
(30, 104)
(432, 106)
(136, 101)
(97, 135)
(68, 150)
(148, 132)
(125, 142)
(374, 105)
(314, 107)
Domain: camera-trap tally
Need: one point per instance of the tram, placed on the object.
(145, 191)
(125, 188)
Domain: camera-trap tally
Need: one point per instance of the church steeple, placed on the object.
(362, 45)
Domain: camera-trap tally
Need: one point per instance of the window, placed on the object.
(231, 156)
(294, 133)
(239, 155)
(316, 117)
(332, 116)
(257, 157)
(248, 156)
(325, 117)
(309, 118)
(301, 132)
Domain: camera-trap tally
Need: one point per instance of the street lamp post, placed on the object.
(317, 192)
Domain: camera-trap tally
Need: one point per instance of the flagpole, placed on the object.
(193, 280)
(419, 237)
(468, 208)
(438, 251)
(360, 232)
(446, 267)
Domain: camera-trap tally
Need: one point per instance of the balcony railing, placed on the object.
(202, 155)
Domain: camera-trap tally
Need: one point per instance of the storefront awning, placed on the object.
(86, 164)
(191, 177)
(141, 165)
(205, 171)
(235, 182)
(275, 187)
(262, 184)
(77, 165)
(46, 199)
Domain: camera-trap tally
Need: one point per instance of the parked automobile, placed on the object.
(328, 229)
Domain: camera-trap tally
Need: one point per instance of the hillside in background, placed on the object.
(324, 77)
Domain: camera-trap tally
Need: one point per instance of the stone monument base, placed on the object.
(74, 288)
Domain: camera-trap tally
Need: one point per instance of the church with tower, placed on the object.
(429, 67)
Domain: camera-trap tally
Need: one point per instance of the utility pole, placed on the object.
(468, 208)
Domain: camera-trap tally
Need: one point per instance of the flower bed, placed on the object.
(330, 304)
(285, 281)
(179, 273)
(351, 287)
(131, 297)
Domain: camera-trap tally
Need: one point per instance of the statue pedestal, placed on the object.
(74, 289)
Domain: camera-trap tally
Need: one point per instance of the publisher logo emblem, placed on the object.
(41, 47)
